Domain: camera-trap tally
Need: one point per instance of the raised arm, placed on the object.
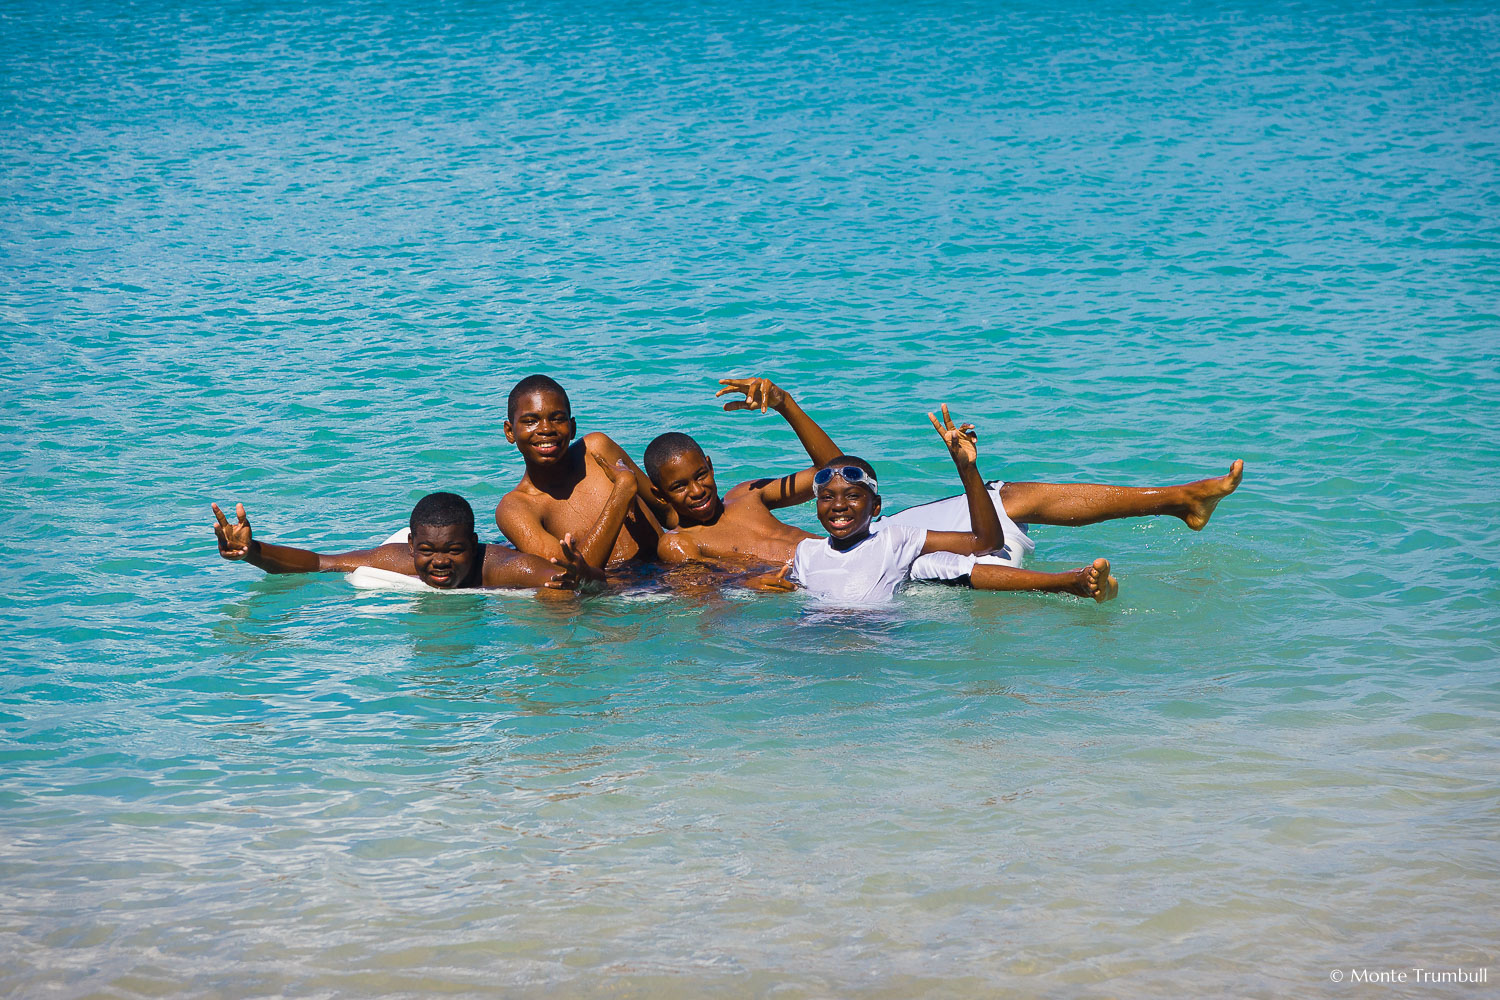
(963, 445)
(763, 394)
(236, 542)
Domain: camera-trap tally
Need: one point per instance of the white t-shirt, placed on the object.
(952, 514)
(869, 573)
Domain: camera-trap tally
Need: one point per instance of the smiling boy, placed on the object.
(586, 488)
(858, 564)
(442, 551)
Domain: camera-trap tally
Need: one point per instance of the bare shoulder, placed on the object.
(676, 547)
(518, 501)
(745, 490)
(747, 498)
(600, 443)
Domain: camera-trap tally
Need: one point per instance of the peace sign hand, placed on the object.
(962, 441)
(760, 394)
(234, 539)
(572, 569)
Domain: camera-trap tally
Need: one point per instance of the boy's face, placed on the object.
(542, 427)
(686, 482)
(846, 509)
(443, 554)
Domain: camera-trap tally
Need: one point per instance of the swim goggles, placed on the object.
(851, 474)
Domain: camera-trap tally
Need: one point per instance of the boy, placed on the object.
(442, 551)
(586, 489)
(861, 564)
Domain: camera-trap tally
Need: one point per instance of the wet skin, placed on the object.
(563, 491)
(541, 429)
(446, 556)
(738, 529)
(688, 484)
(845, 510)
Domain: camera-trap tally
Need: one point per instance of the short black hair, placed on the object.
(844, 460)
(530, 384)
(665, 447)
(438, 510)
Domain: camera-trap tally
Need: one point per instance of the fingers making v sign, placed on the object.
(962, 441)
(234, 539)
(760, 394)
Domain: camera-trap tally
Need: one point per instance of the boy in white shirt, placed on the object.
(856, 564)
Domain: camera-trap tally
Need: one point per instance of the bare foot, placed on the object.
(1204, 495)
(1094, 581)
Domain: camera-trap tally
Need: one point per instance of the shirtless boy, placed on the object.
(442, 551)
(585, 488)
(741, 528)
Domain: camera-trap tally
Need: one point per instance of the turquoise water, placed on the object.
(295, 256)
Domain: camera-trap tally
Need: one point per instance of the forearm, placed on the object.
(283, 558)
(600, 541)
(819, 446)
(983, 519)
(663, 512)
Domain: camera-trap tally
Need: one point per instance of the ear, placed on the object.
(510, 434)
(708, 462)
(660, 496)
(875, 510)
(572, 428)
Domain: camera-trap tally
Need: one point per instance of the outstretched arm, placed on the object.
(763, 394)
(236, 542)
(963, 446)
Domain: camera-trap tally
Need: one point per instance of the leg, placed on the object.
(1089, 503)
(1088, 581)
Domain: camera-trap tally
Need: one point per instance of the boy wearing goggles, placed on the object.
(864, 563)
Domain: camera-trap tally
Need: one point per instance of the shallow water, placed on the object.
(296, 257)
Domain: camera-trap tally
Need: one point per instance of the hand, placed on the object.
(572, 571)
(234, 539)
(773, 581)
(760, 393)
(619, 472)
(962, 442)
